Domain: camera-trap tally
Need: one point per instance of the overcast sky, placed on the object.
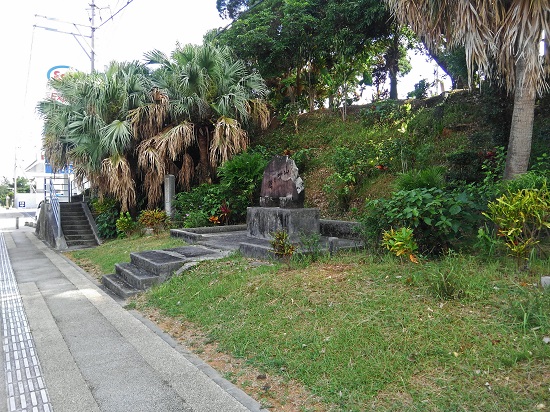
(143, 25)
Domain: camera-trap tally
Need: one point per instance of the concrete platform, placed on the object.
(237, 238)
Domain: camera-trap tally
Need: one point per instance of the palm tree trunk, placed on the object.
(521, 131)
(203, 168)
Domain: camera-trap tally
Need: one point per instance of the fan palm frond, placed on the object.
(116, 137)
(119, 179)
(187, 171)
(228, 139)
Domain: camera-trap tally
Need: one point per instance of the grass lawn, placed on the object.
(356, 332)
(368, 333)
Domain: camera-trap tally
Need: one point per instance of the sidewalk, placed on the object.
(93, 354)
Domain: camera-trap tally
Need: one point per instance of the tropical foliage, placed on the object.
(124, 129)
(310, 51)
(501, 40)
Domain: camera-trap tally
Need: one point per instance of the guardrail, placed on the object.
(54, 201)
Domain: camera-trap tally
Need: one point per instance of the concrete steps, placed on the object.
(151, 267)
(76, 227)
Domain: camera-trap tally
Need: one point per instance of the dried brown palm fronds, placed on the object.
(187, 172)
(153, 186)
(119, 180)
(520, 34)
(228, 139)
(504, 32)
(153, 163)
(148, 120)
(175, 140)
(54, 151)
(259, 112)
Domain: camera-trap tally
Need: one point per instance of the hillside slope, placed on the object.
(345, 162)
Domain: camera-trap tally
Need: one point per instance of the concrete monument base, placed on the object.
(263, 221)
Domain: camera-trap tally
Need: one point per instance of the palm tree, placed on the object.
(203, 100)
(502, 38)
(90, 128)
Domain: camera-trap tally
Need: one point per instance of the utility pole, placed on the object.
(92, 28)
(90, 46)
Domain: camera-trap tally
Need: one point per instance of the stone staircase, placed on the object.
(76, 227)
(148, 268)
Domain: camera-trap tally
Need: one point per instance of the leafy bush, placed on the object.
(400, 242)
(303, 158)
(465, 165)
(529, 180)
(240, 181)
(197, 218)
(420, 89)
(205, 198)
(125, 225)
(282, 246)
(350, 166)
(438, 218)
(155, 219)
(520, 216)
(386, 113)
(239, 187)
(106, 212)
(415, 179)
(311, 246)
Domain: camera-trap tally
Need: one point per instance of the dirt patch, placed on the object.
(274, 392)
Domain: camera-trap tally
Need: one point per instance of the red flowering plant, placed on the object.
(225, 212)
(223, 217)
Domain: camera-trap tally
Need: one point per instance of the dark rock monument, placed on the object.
(282, 203)
(281, 185)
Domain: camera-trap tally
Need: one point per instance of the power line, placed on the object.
(79, 34)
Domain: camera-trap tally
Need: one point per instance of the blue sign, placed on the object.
(57, 72)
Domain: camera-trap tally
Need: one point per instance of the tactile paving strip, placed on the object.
(25, 387)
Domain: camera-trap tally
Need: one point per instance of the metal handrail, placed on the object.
(54, 201)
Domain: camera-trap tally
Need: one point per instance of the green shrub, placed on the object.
(125, 225)
(529, 180)
(106, 212)
(155, 219)
(415, 179)
(283, 248)
(197, 218)
(520, 217)
(350, 166)
(310, 247)
(420, 89)
(386, 113)
(240, 182)
(438, 218)
(238, 188)
(205, 198)
(465, 166)
(400, 242)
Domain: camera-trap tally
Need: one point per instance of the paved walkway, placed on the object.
(68, 346)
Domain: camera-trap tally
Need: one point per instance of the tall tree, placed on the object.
(204, 100)
(124, 129)
(296, 43)
(89, 127)
(502, 38)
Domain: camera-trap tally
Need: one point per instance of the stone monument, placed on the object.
(282, 204)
